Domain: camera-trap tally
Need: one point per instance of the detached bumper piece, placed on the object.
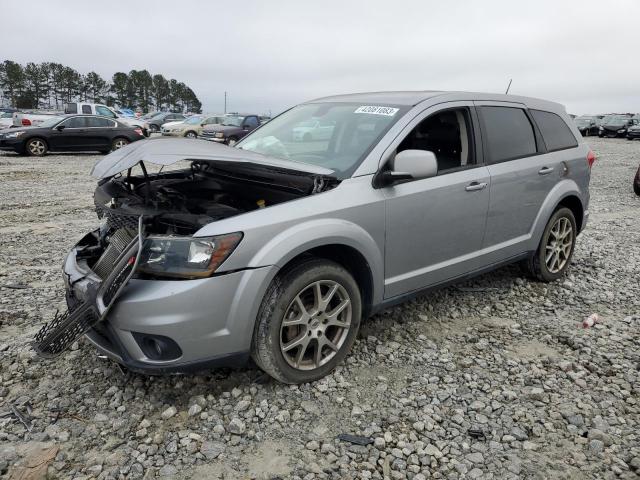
(59, 334)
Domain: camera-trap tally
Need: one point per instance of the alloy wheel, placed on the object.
(315, 325)
(37, 147)
(119, 144)
(559, 245)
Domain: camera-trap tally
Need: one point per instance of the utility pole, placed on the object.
(225, 102)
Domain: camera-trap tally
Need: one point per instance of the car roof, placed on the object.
(412, 98)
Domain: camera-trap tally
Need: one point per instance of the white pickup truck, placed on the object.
(32, 118)
(99, 109)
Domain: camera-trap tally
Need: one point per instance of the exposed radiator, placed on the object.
(117, 244)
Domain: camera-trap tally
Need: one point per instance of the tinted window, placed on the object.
(75, 122)
(86, 109)
(251, 122)
(555, 132)
(508, 133)
(96, 122)
(104, 111)
(71, 108)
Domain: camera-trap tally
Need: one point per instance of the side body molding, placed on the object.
(321, 232)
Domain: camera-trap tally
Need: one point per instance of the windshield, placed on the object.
(193, 120)
(352, 131)
(617, 120)
(232, 121)
(49, 122)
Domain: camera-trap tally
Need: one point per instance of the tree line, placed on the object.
(52, 85)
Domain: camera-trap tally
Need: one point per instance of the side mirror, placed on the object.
(410, 165)
(60, 128)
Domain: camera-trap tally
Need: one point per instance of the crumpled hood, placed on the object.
(167, 151)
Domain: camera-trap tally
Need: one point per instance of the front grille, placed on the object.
(115, 219)
(118, 242)
(119, 280)
(58, 334)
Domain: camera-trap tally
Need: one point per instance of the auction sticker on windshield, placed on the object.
(373, 110)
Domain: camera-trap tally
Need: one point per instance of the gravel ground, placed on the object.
(489, 379)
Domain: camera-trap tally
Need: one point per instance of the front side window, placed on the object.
(508, 133)
(555, 133)
(251, 122)
(75, 122)
(104, 111)
(448, 135)
(356, 130)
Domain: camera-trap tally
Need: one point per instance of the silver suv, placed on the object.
(278, 248)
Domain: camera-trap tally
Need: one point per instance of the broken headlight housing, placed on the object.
(185, 257)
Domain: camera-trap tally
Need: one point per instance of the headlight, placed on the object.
(219, 135)
(13, 134)
(185, 257)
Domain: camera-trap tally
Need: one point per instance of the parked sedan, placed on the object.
(157, 121)
(313, 130)
(70, 133)
(192, 126)
(587, 125)
(616, 126)
(233, 128)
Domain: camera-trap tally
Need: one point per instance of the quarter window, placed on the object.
(508, 133)
(555, 132)
(448, 135)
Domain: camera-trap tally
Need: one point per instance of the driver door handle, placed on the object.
(473, 186)
(545, 170)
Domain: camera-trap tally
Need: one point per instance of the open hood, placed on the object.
(167, 151)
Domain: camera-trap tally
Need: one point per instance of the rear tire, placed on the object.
(553, 257)
(36, 147)
(298, 335)
(118, 143)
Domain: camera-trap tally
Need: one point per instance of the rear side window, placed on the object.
(508, 133)
(95, 122)
(86, 109)
(556, 133)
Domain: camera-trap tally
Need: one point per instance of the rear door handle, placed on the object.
(545, 170)
(473, 186)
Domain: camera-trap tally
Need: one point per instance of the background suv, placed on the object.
(278, 249)
(156, 121)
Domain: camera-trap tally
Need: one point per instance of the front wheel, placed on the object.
(191, 135)
(308, 321)
(552, 259)
(36, 147)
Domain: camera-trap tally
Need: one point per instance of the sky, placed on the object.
(271, 55)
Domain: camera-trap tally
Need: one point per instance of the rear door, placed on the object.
(72, 137)
(100, 131)
(522, 175)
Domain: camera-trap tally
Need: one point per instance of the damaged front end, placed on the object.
(149, 222)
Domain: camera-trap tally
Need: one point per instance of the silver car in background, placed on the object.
(278, 248)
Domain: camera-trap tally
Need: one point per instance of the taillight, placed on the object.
(591, 158)
(138, 131)
(26, 122)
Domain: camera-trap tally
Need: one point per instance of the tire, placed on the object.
(191, 134)
(36, 147)
(231, 141)
(300, 363)
(118, 143)
(543, 266)
(636, 182)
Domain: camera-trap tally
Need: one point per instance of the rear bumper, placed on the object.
(211, 320)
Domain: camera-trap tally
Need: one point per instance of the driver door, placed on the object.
(72, 137)
(435, 226)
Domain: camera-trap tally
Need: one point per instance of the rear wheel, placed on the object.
(36, 147)
(308, 321)
(118, 143)
(554, 253)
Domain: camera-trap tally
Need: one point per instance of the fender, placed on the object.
(561, 190)
(316, 233)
